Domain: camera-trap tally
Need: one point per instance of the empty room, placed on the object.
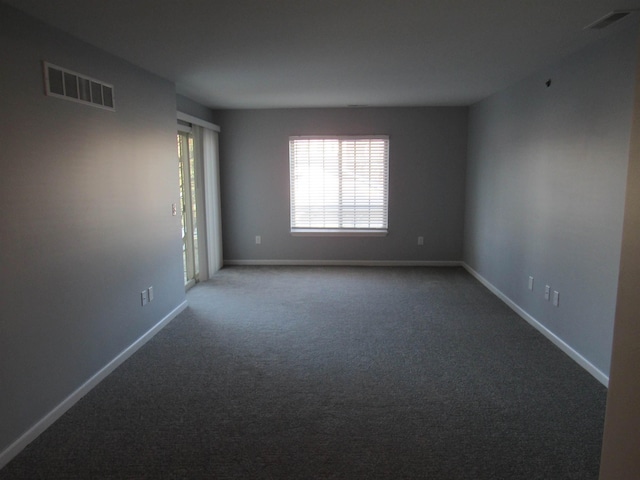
(320, 239)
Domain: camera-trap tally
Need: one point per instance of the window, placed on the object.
(339, 185)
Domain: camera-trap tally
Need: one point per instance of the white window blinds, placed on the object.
(339, 184)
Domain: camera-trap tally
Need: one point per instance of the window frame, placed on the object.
(342, 231)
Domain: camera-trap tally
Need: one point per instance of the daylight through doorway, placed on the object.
(187, 176)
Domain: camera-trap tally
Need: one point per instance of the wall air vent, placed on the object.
(62, 83)
(607, 20)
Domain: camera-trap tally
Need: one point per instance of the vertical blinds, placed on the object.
(339, 183)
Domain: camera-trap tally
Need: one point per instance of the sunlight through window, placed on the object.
(339, 184)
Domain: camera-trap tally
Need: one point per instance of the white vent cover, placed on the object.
(62, 83)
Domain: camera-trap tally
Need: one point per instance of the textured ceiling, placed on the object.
(327, 53)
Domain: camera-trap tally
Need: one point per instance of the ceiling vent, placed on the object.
(608, 19)
(62, 83)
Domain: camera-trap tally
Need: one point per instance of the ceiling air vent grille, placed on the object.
(608, 19)
(62, 83)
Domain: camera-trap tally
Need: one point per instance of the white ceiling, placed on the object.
(327, 53)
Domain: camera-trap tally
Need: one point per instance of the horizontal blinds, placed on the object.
(339, 182)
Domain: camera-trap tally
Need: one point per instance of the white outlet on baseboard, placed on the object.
(144, 297)
(530, 286)
(258, 239)
(547, 292)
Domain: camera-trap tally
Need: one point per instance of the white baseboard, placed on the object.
(346, 263)
(30, 435)
(565, 347)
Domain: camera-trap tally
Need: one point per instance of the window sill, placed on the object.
(337, 232)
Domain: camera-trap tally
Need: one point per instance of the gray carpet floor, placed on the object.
(334, 373)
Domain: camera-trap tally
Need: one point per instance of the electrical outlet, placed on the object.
(150, 290)
(556, 298)
(144, 297)
(420, 240)
(530, 286)
(547, 292)
(258, 239)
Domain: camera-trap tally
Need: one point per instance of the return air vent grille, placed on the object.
(62, 83)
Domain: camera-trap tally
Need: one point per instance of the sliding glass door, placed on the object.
(199, 180)
(187, 176)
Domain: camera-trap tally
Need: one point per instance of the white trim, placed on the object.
(30, 435)
(185, 117)
(337, 232)
(381, 136)
(561, 344)
(346, 263)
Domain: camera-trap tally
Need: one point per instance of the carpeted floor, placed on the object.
(334, 373)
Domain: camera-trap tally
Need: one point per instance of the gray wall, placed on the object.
(86, 225)
(188, 106)
(545, 191)
(426, 182)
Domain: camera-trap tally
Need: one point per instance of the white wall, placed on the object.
(426, 183)
(86, 197)
(545, 191)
